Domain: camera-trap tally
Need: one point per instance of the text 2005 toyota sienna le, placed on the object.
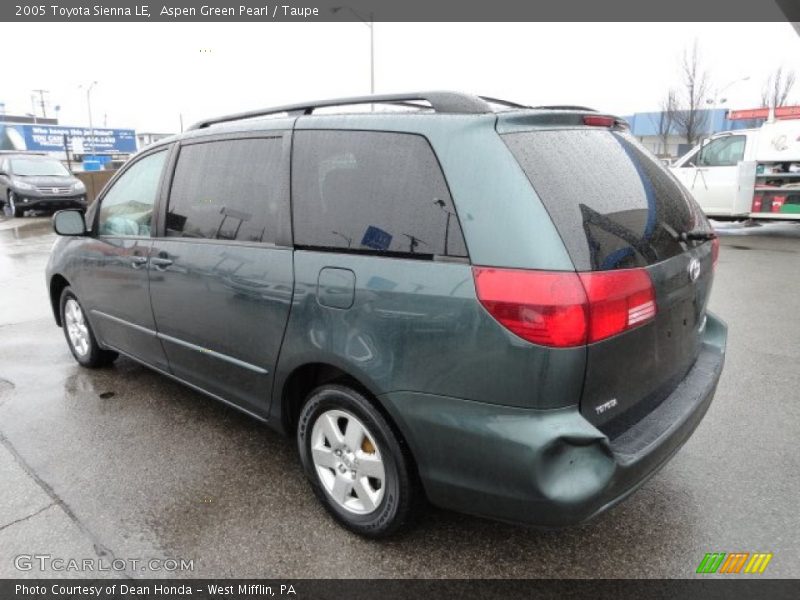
(499, 308)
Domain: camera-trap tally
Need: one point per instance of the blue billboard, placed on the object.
(50, 138)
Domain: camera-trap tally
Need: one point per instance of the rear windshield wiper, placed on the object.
(701, 235)
(697, 234)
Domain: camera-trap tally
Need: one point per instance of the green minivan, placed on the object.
(496, 308)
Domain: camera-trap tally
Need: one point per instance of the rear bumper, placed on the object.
(549, 468)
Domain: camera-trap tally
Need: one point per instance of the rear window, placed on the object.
(613, 204)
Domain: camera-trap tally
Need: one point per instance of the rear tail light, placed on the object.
(599, 121)
(618, 301)
(714, 252)
(757, 199)
(777, 203)
(566, 309)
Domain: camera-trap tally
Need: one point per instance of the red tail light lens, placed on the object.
(598, 121)
(715, 251)
(543, 307)
(618, 301)
(566, 309)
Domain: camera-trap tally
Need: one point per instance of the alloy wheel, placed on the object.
(348, 461)
(77, 329)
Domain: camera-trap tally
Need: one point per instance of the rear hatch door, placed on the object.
(616, 207)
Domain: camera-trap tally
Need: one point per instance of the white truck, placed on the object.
(747, 173)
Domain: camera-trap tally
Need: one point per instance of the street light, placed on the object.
(716, 99)
(371, 24)
(89, 108)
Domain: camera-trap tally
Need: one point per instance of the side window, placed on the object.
(723, 152)
(229, 190)
(127, 208)
(372, 191)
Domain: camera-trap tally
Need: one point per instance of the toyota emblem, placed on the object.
(694, 269)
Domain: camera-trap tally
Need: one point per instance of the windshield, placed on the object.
(32, 167)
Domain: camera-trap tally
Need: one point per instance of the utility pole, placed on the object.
(89, 108)
(370, 22)
(42, 102)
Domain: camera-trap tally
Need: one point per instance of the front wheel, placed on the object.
(356, 465)
(11, 209)
(79, 334)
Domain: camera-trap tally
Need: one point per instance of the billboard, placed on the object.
(50, 138)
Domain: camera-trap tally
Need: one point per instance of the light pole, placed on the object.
(716, 98)
(371, 24)
(91, 125)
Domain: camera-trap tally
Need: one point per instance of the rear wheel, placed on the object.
(355, 463)
(11, 209)
(79, 334)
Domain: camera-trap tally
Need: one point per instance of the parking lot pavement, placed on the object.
(125, 463)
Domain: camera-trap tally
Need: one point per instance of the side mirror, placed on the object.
(69, 222)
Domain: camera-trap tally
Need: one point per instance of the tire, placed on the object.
(370, 487)
(11, 209)
(80, 337)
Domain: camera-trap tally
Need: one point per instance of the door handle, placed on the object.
(137, 262)
(160, 263)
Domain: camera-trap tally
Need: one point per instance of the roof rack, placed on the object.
(441, 102)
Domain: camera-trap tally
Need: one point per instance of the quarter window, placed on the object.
(229, 190)
(372, 192)
(127, 207)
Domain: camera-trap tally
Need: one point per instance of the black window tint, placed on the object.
(127, 207)
(372, 191)
(228, 190)
(614, 205)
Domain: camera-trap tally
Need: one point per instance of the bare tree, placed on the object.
(777, 88)
(666, 119)
(692, 117)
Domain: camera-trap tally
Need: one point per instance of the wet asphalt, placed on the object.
(124, 463)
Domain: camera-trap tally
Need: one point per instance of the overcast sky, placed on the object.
(150, 73)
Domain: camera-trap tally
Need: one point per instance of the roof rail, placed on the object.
(564, 107)
(442, 102)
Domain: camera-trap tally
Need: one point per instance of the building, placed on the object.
(144, 139)
(647, 125)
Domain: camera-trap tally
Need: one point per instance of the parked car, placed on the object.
(498, 308)
(37, 182)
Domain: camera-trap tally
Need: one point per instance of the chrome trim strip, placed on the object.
(168, 338)
(219, 355)
(139, 328)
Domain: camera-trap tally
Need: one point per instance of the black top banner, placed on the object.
(399, 10)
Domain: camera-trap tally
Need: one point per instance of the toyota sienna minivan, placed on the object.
(497, 308)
